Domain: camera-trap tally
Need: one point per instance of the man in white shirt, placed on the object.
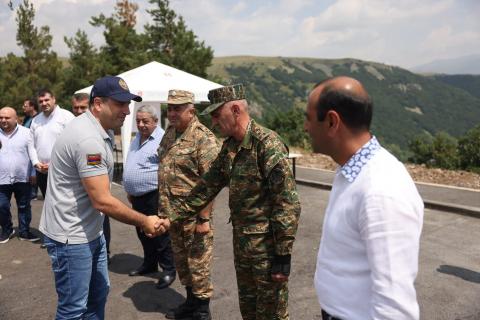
(368, 256)
(45, 129)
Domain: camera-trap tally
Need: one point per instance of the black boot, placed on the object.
(202, 312)
(186, 309)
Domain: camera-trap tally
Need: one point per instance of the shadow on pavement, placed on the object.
(123, 263)
(465, 274)
(147, 298)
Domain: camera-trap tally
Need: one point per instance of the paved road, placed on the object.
(448, 284)
(429, 192)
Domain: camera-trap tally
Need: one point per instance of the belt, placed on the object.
(327, 316)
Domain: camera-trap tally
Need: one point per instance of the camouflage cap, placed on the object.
(221, 95)
(180, 97)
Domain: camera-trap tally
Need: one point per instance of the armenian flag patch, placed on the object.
(94, 159)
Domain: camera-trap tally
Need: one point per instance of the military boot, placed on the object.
(202, 312)
(186, 309)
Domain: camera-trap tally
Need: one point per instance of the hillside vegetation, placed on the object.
(405, 104)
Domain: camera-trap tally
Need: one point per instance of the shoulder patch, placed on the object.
(94, 159)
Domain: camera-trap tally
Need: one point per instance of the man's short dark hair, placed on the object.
(43, 92)
(354, 110)
(81, 96)
(32, 103)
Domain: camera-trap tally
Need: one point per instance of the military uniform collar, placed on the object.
(247, 139)
(187, 134)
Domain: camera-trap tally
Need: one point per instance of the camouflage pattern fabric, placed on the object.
(182, 162)
(221, 95)
(264, 210)
(193, 253)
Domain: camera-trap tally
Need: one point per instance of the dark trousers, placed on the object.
(106, 232)
(42, 182)
(327, 316)
(21, 191)
(158, 249)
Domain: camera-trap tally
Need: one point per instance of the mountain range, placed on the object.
(405, 103)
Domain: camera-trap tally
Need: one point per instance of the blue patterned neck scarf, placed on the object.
(351, 169)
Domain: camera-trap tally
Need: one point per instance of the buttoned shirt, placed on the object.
(45, 131)
(15, 163)
(368, 257)
(140, 170)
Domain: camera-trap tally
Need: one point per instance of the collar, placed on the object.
(11, 133)
(352, 168)
(155, 135)
(247, 139)
(97, 125)
(187, 134)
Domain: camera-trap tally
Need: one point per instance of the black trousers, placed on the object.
(158, 249)
(42, 182)
(106, 232)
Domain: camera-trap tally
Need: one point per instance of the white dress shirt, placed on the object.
(368, 257)
(45, 130)
(15, 164)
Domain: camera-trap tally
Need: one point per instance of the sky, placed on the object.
(404, 33)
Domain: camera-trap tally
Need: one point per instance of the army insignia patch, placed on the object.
(94, 159)
(123, 84)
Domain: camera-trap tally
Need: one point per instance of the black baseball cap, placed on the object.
(113, 87)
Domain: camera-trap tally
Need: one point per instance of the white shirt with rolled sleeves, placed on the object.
(368, 257)
(45, 131)
(86, 151)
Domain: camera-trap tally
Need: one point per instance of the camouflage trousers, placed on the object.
(193, 254)
(260, 298)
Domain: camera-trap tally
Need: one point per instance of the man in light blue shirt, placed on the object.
(140, 181)
(15, 176)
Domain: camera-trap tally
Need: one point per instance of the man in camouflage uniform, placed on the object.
(264, 205)
(186, 152)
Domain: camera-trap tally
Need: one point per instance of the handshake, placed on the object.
(154, 226)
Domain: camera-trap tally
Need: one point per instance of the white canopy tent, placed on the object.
(152, 82)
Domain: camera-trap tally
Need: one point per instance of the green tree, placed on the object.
(39, 67)
(421, 147)
(469, 149)
(445, 153)
(170, 42)
(289, 125)
(84, 67)
(124, 48)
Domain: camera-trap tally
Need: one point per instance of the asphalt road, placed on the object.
(448, 284)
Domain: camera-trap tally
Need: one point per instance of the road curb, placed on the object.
(442, 206)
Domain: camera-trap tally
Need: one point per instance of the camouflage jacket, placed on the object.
(263, 198)
(183, 160)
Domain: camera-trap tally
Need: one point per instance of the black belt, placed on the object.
(327, 316)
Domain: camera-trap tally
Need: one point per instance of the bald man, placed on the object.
(368, 257)
(15, 176)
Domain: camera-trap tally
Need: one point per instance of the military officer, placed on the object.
(263, 200)
(186, 152)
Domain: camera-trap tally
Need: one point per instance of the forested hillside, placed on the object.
(406, 104)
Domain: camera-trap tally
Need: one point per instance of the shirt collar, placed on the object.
(11, 133)
(97, 125)
(247, 139)
(352, 168)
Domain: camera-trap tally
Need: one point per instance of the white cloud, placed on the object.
(406, 33)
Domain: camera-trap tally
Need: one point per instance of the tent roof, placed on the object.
(153, 80)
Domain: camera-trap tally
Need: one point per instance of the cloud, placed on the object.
(406, 33)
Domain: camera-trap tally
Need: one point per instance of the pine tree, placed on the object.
(170, 42)
(39, 67)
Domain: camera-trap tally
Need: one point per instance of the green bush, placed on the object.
(469, 150)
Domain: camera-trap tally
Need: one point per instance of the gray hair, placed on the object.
(148, 109)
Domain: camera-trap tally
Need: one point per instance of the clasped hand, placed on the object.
(155, 226)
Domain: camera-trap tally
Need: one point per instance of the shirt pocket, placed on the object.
(185, 159)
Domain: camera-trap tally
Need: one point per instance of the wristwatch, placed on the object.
(202, 219)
